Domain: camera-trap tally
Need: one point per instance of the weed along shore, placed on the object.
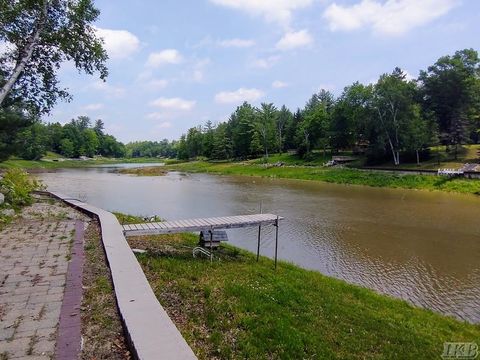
(348, 176)
(236, 307)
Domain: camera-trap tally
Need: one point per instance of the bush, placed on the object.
(17, 186)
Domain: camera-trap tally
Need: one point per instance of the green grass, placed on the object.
(335, 175)
(48, 163)
(466, 154)
(238, 308)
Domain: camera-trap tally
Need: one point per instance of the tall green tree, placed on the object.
(283, 119)
(265, 120)
(394, 103)
(32, 142)
(451, 90)
(242, 123)
(40, 36)
(222, 144)
(12, 121)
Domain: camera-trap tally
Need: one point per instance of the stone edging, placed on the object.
(151, 333)
(69, 336)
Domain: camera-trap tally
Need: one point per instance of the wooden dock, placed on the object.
(208, 225)
(205, 224)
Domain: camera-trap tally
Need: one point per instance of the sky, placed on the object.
(176, 64)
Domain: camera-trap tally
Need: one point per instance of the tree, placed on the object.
(194, 142)
(222, 148)
(393, 101)
(208, 138)
(182, 152)
(241, 124)
(90, 142)
(316, 122)
(31, 142)
(265, 122)
(283, 118)
(67, 148)
(451, 90)
(40, 36)
(419, 132)
(12, 121)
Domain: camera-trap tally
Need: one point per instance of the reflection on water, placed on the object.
(419, 246)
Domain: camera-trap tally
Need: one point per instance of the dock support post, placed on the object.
(259, 233)
(276, 241)
(211, 248)
(258, 241)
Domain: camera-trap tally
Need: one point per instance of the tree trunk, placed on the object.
(418, 157)
(27, 55)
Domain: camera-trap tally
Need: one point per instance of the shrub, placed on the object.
(17, 186)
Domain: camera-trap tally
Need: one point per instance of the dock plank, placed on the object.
(198, 224)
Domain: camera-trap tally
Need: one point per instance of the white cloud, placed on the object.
(240, 95)
(277, 84)
(119, 44)
(173, 104)
(295, 39)
(199, 69)
(408, 76)
(264, 63)
(92, 107)
(391, 17)
(279, 11)
(110, 90)
(155, 116)
(238, 43)
(157, 84)
(164, 125)
(164, 57)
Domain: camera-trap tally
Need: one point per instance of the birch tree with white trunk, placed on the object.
(38, 36)
(393, 102)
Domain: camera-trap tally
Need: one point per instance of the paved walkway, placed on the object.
(34, 254)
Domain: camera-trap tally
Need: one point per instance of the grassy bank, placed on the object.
(333, 175)
(49, 163)
(238, 308)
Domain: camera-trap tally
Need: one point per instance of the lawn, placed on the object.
(51, 161)
(332, 175)
(466, 154)
(237, 308)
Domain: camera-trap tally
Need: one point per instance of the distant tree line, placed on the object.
(77, 138)
(395, 118)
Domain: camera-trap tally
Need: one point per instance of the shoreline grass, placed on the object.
(348, 176)
(74, 163)
(238, 308)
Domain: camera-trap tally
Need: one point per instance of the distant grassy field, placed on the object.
(49, 163)
(236, 308)
(466, 154)
(333, 175)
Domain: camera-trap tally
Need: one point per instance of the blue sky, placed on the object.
(176, 64)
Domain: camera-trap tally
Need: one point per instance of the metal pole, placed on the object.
(258, 241)
(211, 251)
(276, 241)
(259, 234)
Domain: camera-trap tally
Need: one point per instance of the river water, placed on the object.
(420, 246)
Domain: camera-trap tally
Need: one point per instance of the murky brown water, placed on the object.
(419, 246)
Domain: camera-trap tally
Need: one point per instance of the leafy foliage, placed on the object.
(40, 36)
(17, 187)
(392, 119)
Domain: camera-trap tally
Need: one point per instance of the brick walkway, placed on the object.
(34, 255)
